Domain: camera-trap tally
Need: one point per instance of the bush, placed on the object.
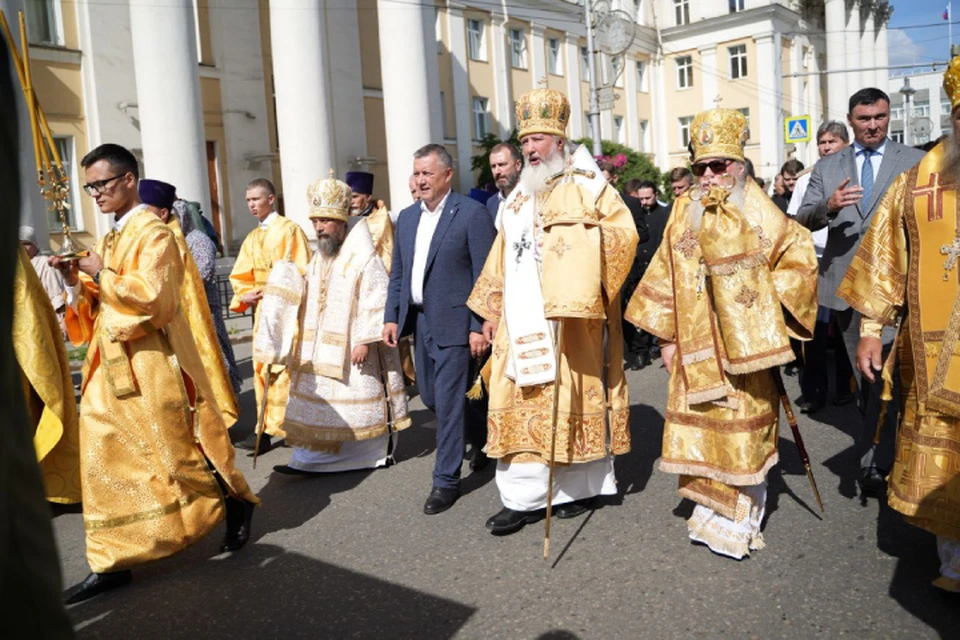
(631, 165)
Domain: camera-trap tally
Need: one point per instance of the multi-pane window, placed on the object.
(746, 114)
(479, 117)
(681, 11)
(641, 75)
(43, 21)
(644, 135)
(65, 149)
(685, 123)
(476, 42)
(584, 64)
(554, 61)
(738, 61)
(518, 49)
(921, 109)
(618, 132)
(736, 5)
(897, 136)
(684, 72)
(945, 107)
(896, 113)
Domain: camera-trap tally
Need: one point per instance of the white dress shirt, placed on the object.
(266, 221)
(425, 230)
(875, 160)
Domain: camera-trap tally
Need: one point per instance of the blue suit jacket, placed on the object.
(457, 252)
(493, 205)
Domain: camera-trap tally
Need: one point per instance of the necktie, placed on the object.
(866, 175)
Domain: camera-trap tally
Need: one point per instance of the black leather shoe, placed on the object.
(480, 461)
(239, 517)
(250, 443)
(95, 584)
(573, 509)
(508, 521)
(812, 407)
(872, 482)
(440, 499)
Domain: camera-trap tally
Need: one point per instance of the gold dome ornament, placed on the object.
(329, 199)
(719, 133)
(951, 83)
(542, 111)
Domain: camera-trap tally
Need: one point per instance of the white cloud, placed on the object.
(903, 50)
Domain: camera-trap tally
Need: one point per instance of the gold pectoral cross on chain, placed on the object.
(952, 251)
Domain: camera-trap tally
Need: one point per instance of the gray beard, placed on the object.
(737, 197)
(951, 159)
(329, 247)
(533, 179)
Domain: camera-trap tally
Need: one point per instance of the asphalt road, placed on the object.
(353, 556)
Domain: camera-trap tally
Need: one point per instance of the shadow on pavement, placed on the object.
(646, 434)
(269, 593)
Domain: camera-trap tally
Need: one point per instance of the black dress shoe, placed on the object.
(812, 407)
(250, 443)
(573, 509)
(840, 400)
(440, 499)
(508, 521)
(95, 584)
(239, 517)
(872, 482)
(480, 461)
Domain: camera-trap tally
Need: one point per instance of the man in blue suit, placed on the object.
(505, 165)
(441, 245)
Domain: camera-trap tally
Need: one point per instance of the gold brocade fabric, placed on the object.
(42, 356)
(381, 230)
(197, 310)
(148, 423)
(592, 422)
(262, 248)
(720, 425)
(901, 269)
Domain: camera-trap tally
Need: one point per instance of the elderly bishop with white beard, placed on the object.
(550, 285)
(347, 397)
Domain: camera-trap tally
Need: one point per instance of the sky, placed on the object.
(910, 43)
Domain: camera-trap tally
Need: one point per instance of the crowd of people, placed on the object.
(524, 314)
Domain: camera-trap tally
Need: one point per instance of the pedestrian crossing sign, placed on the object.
(796, 129)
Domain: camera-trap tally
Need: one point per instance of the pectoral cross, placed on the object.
(934, 193)
(952, 251)
(521, 245)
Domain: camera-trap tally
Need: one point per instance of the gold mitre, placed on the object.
(329, 198)
(542, 111)
(951, 83)
(718, 133)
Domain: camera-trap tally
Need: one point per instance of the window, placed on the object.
(65, 149)
(897, 136)
(684, 72)
(681, 9)
(685, 131)
(945, 108)
(644, 136)
(584, 64)
(479, 117)
(518, 49)
(921, 109)
(746, 114)
(736, 5)
(43, 21)
(896, 113)
(641, 76)
(738, 61)
(554, 60)
(476, 42)
(616, 68)
(618, 133)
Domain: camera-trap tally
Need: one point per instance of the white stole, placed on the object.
(277, 318)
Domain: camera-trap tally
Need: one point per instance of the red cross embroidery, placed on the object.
(934, 193)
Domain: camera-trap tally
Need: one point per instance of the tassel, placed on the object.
(476, 391)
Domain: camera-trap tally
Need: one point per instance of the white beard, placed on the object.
(737, 197)
(533, 179)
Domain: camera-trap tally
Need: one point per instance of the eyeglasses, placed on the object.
(98, 186)
(715, 166)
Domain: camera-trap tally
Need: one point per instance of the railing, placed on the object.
(225, 291)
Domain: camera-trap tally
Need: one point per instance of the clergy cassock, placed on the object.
(561, 255)
(906, 268)
(340, 416)
(732, 281)
(277, 238)
(48, 388)
(152, 435)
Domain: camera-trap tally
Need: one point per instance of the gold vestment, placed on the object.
(282, 239)
(51, 405)
(720, 429)
(381, 230)
(588, 244)
(901, 269)
(152, 437)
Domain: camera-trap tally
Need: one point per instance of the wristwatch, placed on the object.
(96, 277)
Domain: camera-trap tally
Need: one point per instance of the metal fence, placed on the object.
(225, 291)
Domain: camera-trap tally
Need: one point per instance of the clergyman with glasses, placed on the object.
(733, 280)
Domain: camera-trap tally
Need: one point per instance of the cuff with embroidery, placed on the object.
(870, 328)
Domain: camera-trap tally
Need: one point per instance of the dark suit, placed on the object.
(493, 205)
(637, 342)
(443, 323)
(846, 229)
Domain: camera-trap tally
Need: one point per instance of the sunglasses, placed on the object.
(715, 166)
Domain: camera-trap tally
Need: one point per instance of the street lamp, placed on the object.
(907, 91)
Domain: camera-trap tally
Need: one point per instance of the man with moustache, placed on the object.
(364, 206)
(906, 266)
(505, 164)
(347, 398)
(440, 247)
(551, 285)
(274, 239)
(732, 281)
